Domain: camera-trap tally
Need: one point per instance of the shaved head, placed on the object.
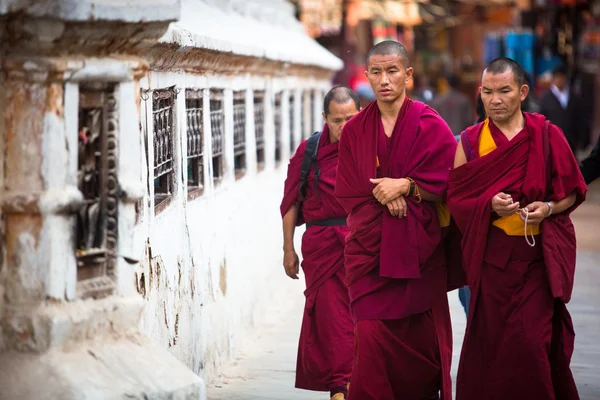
(502, 64)
(389, 47)
(340, 95)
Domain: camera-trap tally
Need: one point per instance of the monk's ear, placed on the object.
(409, 73)
(324, 116)
(524, 92)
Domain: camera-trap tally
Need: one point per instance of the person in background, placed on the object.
(562, 106)
(453, 106)
(590, 166)
(530, 104)
(422, 90)
(326, 343)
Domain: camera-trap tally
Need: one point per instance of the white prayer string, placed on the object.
(532, 243)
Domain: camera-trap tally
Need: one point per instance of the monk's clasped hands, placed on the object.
(390, 192)
(504, 206)
(536, 213)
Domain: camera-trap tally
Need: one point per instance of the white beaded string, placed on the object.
(532, 243)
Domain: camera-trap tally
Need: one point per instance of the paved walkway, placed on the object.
(265, 370)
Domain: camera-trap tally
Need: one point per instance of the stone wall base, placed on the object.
(129, 367)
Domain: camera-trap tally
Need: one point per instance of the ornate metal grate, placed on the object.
(278, 126)
(239, 133)
(163, 114)
(97, 220)
(195, 139)
(259, 127)
(217, 126)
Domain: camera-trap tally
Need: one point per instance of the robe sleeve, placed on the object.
(437, 138)
(566, 176)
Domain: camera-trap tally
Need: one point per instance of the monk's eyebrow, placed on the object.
(502, 88)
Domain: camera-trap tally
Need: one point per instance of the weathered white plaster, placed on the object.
(87, 10)
(100, 69)
(71, 121)
(272, 32)
(114, 368)
(75, 348)
(30, 275)
(130, 183)
(216, 259)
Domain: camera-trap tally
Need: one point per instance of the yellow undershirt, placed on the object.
(511, 225)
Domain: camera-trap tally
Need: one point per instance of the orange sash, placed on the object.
(511, 225)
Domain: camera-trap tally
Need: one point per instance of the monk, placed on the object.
(514, 184)
(326, 337)
(392, 174)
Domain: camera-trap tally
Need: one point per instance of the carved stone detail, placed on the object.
(112, 182)
(97, 231)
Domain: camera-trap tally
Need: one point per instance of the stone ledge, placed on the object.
(55, 325)
(131, 367)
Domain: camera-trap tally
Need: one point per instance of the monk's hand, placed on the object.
(291, 263)
(397, 207)
(388, 189)
(503, 205)
(535, 214)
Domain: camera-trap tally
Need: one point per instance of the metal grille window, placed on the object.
(97, 220)
(259, 127)
(162, 112)
(217, 126)
(278, 126)
(195, 141)
(239, 133)
(292, 120)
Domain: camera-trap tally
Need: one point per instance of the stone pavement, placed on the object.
(265, 369)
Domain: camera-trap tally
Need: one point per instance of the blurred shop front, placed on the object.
(450, 37)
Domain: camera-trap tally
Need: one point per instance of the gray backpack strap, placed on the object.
(310, 158)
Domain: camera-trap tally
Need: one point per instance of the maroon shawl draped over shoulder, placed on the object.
(519, 166)
(404, 244)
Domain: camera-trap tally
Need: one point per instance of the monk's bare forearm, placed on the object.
(564, 204)
(289, 227)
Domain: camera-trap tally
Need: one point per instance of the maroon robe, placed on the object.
(395, 267)
(326, 338)
(519, 337)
